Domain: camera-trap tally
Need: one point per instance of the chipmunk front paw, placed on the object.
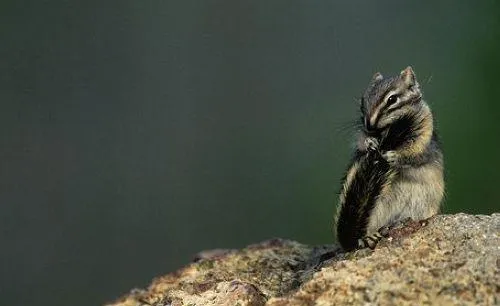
(371, 144)
(391, 157)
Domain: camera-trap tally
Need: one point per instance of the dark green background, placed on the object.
(136, 133)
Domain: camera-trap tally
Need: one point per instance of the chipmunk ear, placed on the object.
(377, 77)
(408, 76)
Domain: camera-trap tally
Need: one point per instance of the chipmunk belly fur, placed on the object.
(414, 193)
(397, 169)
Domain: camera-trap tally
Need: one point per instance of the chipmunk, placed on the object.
(397, 169)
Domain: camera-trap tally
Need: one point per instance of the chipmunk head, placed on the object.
(388, 99)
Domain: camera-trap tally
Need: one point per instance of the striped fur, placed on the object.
(397, 169)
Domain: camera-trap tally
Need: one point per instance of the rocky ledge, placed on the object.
(446, 260)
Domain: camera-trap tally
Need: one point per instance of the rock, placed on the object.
(446, 260)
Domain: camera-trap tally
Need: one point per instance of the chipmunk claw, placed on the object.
(370, 240)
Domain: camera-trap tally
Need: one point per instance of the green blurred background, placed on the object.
(137, 133)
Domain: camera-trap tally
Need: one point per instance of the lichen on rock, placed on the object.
(446, 260)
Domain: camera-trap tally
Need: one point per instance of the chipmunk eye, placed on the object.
(392, 99)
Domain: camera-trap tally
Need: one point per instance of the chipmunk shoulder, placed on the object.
(397, 168)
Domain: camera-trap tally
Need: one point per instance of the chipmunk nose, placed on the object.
(368, 126)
